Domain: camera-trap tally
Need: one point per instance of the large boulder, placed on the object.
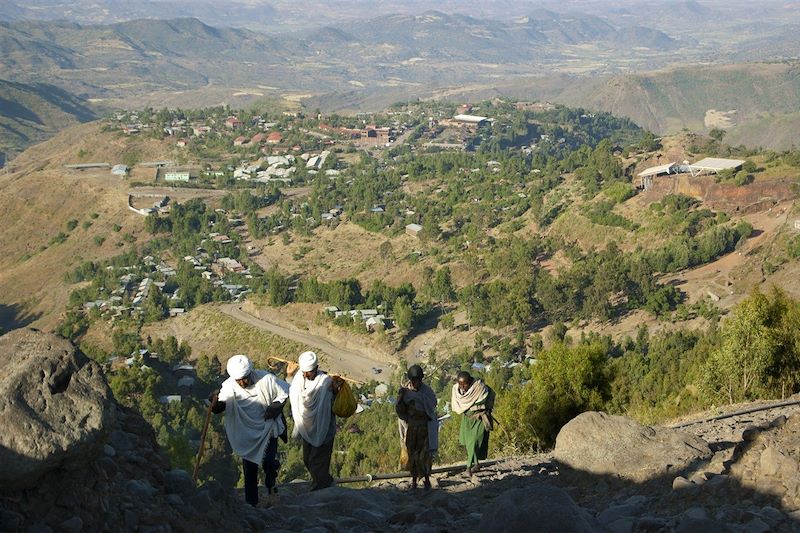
(604, 444)
(537, 508)
(55, 406)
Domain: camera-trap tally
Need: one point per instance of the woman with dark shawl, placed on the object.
(419, 426)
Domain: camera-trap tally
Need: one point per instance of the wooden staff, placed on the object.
(280, 359)
(202, 441)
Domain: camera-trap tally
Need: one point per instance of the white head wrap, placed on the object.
(239, 366)
(307, 361)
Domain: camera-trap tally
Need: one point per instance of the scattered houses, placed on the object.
(413, 230)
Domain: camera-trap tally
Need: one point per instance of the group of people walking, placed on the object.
(253, 402)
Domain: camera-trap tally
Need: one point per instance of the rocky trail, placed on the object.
(73, 460)
(734, 474)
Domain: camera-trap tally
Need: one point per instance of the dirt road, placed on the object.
(348, 362)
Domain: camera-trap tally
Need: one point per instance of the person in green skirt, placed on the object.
(474, 400)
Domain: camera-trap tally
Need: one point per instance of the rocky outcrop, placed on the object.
(55, 407)
(540, 507)
(769, 460)
(74, 460)
(602, 444)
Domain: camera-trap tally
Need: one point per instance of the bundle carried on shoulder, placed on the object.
(345, 403)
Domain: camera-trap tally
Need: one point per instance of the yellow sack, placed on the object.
(345, 403)
(404, 459)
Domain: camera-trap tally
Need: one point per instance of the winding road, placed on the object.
(348, 362)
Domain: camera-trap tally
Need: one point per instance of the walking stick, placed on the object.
(202, 442)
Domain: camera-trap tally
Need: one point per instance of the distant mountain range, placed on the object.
(137, 56)
(580, 59)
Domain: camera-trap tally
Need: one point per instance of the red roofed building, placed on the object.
(274, 138)
(240, 140)
(258, 138)
(233, 123)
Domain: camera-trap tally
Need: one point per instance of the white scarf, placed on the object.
(312, 402)
(476, 395)
(247, 431)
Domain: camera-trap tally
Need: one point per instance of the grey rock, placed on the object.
(773, 462)
(131, 519)
(140, 488)
(201, 500)
(10, 521)
(771, 515)
(604, 444)
(750, 433)
(424, 528)
(548, 507)
(651, 523)
(365, 515)
(688, 524)
(637, 499)
(39, 528)
(175, 500)
(72, 525)
(616, 512)
(178, 482)
(778, 422)
(696, 512)
(621, 525)
(55, 406)
(717, 481)
(756, 525)
(109, 450)
(122, 440)
(681, 483)
(108, 466)
(404, 517)
(432, 516)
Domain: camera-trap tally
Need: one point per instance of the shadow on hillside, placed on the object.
(66, 102)
(448, 507)
(13, 316)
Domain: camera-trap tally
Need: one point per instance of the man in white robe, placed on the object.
(253, 401)
(311, 394)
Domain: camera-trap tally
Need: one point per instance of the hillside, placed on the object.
(37, 192)
(32, 113)
(776, 132)
(667, 101)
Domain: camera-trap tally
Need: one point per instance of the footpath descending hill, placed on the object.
(76, 461)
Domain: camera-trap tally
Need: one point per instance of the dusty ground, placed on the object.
(343, 252)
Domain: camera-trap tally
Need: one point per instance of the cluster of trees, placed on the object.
(399, 302)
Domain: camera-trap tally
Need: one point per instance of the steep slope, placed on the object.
(93, 465)
(669, 100)
(38, 197)
(778, 133)
(33, 113)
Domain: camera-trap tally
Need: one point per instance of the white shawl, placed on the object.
(312, 407)
(247, 430)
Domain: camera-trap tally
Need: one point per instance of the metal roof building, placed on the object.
(669, 168)
(714, 164)
(470, 119)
